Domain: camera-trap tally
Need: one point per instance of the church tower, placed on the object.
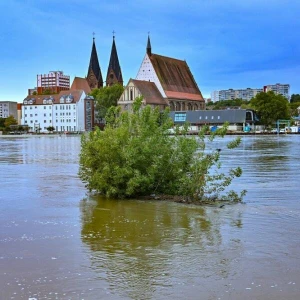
(94, 76)
(114, 73)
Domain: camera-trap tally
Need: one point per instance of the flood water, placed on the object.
(57, 242)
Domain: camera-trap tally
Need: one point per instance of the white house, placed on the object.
(69, 111)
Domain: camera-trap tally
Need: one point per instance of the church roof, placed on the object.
(94, 63)
(80, 83)
(114, 63)
(176, 78)
(149, 91)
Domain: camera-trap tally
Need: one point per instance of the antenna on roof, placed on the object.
(94, 36)
(113, 34)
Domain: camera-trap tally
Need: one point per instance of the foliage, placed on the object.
(231, 103)
(2, 121)
(10, 121)
(47, 92)
(105, 98)
(294, 108)
(50, 128)
(136, 156)
(295, 98)
(270, 107)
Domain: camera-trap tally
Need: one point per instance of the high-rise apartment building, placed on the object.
(278, 88)
(230, 94)
(54, 82)
(249, 93)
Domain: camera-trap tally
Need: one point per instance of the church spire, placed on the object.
(148, 46)
(94, 76)
(114, 73)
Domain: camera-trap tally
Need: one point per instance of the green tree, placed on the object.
(135, 156)
(2, 122)
(50, 128)
(295, 98)
(294, 108)
(105, 98)
(231, 103)
(10, 121)
(270, 107)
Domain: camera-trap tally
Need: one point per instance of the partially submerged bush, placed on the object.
(135, 156)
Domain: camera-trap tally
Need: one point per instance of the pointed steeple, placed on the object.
(94, 76)
(114, 73)
(148, 46)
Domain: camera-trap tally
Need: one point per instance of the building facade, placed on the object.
(173, 80)
(8, 108)
(249, 93)
(54, 82)
(238, 119)
(279, 89)
(230, 94)
(137, 88)
(69, 111)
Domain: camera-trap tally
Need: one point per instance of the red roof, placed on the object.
(176, 78)
(80, 83)
(149, 91)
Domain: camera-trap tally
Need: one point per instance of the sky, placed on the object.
(227, 44)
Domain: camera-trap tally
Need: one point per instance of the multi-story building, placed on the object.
(230, 94)
(70, 111)
(8, 108)
(249, 93)
(278, 88)
(54, 82)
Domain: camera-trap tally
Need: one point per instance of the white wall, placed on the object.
(147, 73)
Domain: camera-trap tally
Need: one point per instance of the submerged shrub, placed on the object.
(135, 156)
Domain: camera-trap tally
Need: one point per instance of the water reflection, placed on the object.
(145, 246)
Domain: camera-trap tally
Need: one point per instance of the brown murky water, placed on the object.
(57, 242)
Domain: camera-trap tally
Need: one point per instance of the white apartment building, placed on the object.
(278, 88)
(8, 108)
(230, 94)
(69, 111)
(249, 93)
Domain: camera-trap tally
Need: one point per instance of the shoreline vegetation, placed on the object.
(135, 157)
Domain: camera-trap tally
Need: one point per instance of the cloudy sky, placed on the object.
(227, 43)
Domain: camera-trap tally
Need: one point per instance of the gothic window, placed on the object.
(131, 95)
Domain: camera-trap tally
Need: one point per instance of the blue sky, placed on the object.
(227, 44)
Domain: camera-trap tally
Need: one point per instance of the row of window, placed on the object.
(61, 107)
(50, 121)
(206, 117)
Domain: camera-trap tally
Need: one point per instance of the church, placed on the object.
(114, 73)
(163, 81)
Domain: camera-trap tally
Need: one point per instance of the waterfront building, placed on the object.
(114, 73)
(8, 108)
(278, 88)
(68, 111)
(238, 119)
(173, 80)
(53, 82)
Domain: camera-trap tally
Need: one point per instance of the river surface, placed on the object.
(58, 242)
